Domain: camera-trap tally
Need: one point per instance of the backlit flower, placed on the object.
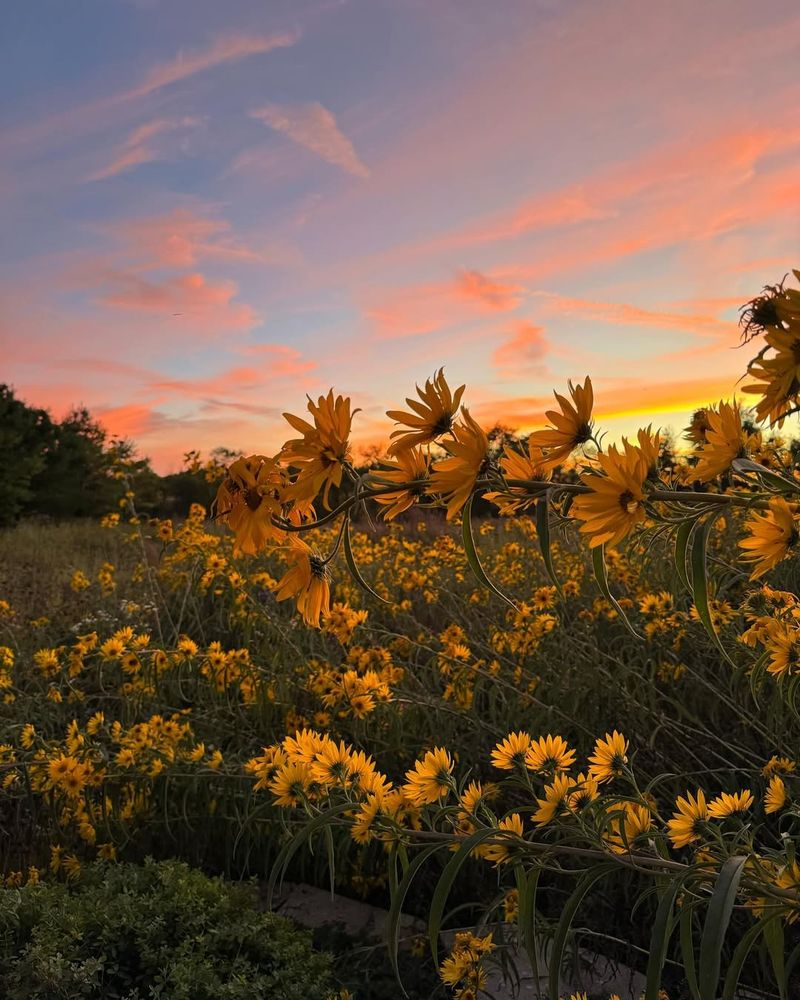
(432, 415)
(570, 427)
(616, 502)
(321, 454)
(308, 581)
(409, 466)
(771, 537)
(455, 477)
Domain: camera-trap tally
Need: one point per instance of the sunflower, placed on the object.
(628, 824)
(569, 428)
(616, 502)
(555, 798)
(549, 753)
(529, 464)
(430, 778)
(778, 376)
(323, 451)
(308, 581)
(331, 765)
(728, 804)
(584, 790)
(361, 831)
(686, 824)
(725, 440)
(771, 536)
(247, 501)
(410, 466)
(782, 643)
(474, 794)
(609, 757)
(511, 752)
(291, 784)
(455, 477)
(775, 798)
(698, 427)
(504, 846)
(433, 415)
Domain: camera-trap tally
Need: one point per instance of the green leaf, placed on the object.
(565, 923)
(601, 576)
(699, 586)
(526, 916)
(687, 950)
(743, 949)
(543, 534)
(682, 536)
(718, 917)
(289, 850)
(396, 907)
(355, 572)
(663, 926)
(472, 555)
(445, 884)
(778, 483)
(776, 946)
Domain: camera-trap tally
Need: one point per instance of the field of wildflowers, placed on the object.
(574, 718)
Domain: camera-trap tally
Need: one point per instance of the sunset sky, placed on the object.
(211, 209)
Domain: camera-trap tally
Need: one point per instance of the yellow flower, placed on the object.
(430, 779)
(583, 791)
(628, 823)
(455, 477)
(555, 798)
(511, 751)
(549, 753)
(247, 500)
(686, 824)
(725, 440)
(331, 765)
(728, 804)
(432, 416)
(80, 581)
(775, 798)
(409, 466)
(569, 428)
(291, 784)
(777, 376)
(27, 736)
(362, 829)
(616, 502)
(778, 765)
(782, 644)
(322, 452)
(609, 757)
(308, 581)
(504, 847)
(771, 536)
(527, 465)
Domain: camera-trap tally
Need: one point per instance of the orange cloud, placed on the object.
(314, 127)
(477, 287)
(525, 349)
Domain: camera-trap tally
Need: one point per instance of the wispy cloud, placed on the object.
(314, 127)
(523, 351)
(139, 147)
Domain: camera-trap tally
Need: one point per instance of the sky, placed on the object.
(211, 209)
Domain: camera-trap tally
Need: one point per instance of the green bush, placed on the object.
(129, 932)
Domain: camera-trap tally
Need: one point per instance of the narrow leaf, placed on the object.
(776, 947)
(687, 951)
(663, 926)
(699, 586)
(396, 907)
(743, 949)
(565, 923)
(472, 555)
(355, 572)
(543, 534)
(682, 536)
(718, 917)
(526, 916)
(601, 576)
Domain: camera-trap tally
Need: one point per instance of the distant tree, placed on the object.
(25, 434)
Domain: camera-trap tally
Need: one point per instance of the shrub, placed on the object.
(159, 930)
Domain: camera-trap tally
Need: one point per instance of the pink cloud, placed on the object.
(314, 127)
(222, 50)
(139, 148)
(192, 298)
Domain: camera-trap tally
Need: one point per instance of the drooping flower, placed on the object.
(725, 440)
(685, 827)
(504, 847)
(307, 580)
(775, 798)
(247, 500)
(529, 464)
(616, 502)
(455, 477)
(409, 466)
(432, 415)
(321, 454)
(771, 536)
(629, 823)
(555, 798)
(570, 427)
